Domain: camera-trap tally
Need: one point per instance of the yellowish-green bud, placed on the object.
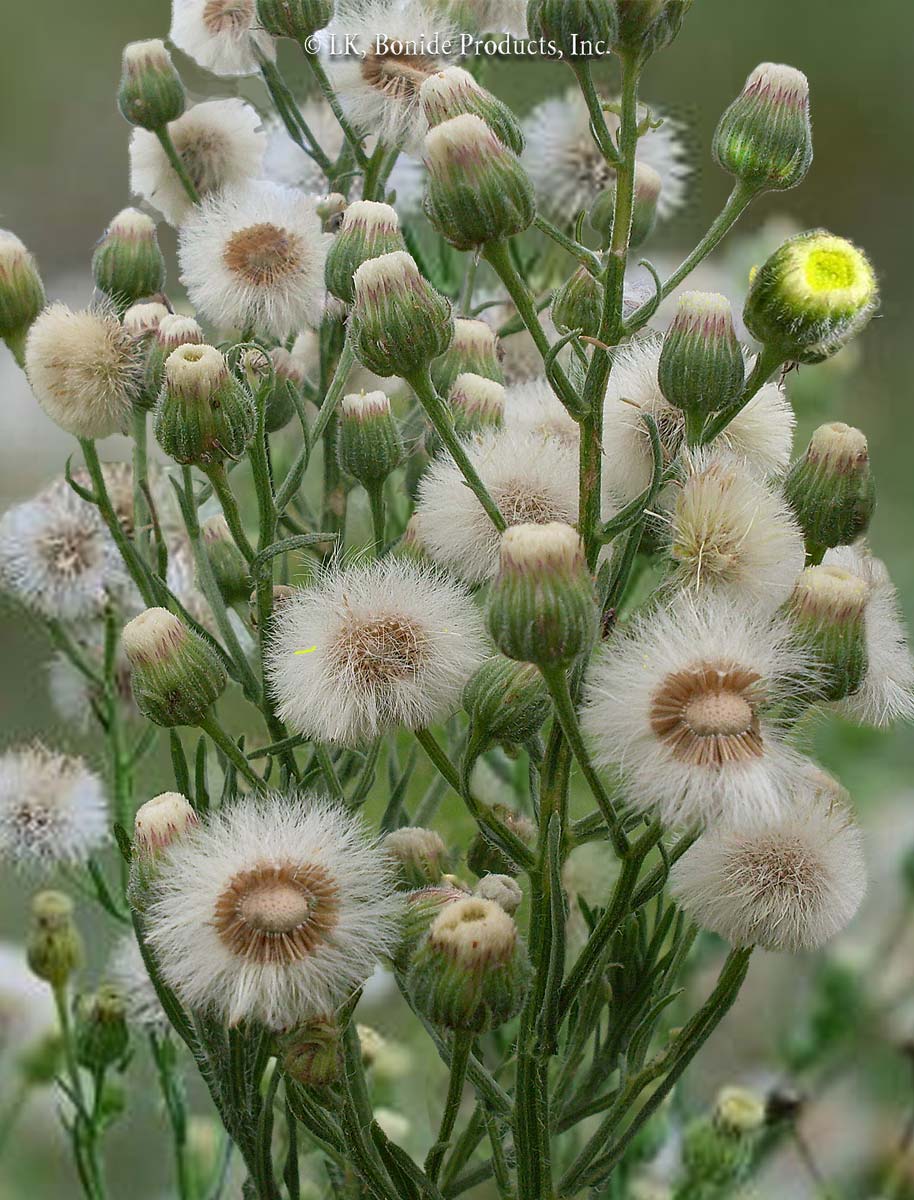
(368, 230)
(127, 263)
(401, 322)
(578, 304)
(54, 948)
(828, 613)
(369, 445)
(485, 858)
(507, 701)
(811, 297)
(831, 489)
(646, 26)
(577, 28)
(21, 292)
(151, 94)
(648, 186)
(739, 1110)
(295, 19)
(228, 563)
(453, 92)
(542, 605)
(702, 369)
(478, 192)
(473, 351)
(764, 139)
(176, 677)
(312, 1055)
(419, 855)
(204, 415)
(102, 1036)
(472, 971)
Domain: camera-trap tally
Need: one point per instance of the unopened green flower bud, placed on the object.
(369, 445)
(151, 94)
(740, 1111)
(542, 605)
(176, 677)
(453, 92)
(577, 28)
(204, 415)
(578, 304)
(811, 297)
(173, 330)
(702, 369)
(715, 1159)
(313, 1055)
(401, 322)
(507, 701)
(228, 563)
(288, 381)
(21, 292)
(39, 1064)
(478, 192)
(127, 263)
(54, 948)
(471, 971)
(419, 855)
(102, 1036)
(764, 139)
(423, 906)
(485, 858)
(502, 890)
(295, 19)
(646, 26)
(831, 489)
(474, 351)
(648, 186)
(828, 611)
(368, 230)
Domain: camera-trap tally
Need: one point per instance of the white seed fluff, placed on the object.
(254, 255)
(789, 883)
(222, 35)
(220, 142)
(680, 705)
(52, 808)
(274, 910)
(286, 163)
(372, 648)
(533, 407)
(127, 972)
(729, 531)
(532, 478)
(762, 433)
(887, 692)
(27, 1010)
(568, 170)
(84, 369)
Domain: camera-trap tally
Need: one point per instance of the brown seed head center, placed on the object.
(398, 76)
(277, 914)
(261, 255)
(68, 553)
(708, 716)
(232, 17)
(380, 650)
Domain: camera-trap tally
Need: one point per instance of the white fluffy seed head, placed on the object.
(729, 531)
(532, 479)
(371, 648)
(141, 319)
(533, 407)
(160, 820)
(52, 808)
(286, 163)
(254, 255)
(127, 972)
(274, 910)
(84, 368)
(682, 703)
(568, 170)
(221, 35)
(887, 692)
(786, 883)
(220, 142)
(474, 932)
(176, 330)
(58, 558)
(762, 434)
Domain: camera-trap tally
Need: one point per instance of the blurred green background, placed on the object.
(64, 173)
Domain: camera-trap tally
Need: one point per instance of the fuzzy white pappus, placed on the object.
(274, 910)
(58, 558)
(681, 705)
(52, 808)
(533, 407)
(222, 35)
(762, 433)
(727, 530)
(220, 143)
(532, 478)
(568, 169)
(887, 692)
(787, 883)
(378, 85)
(254, 255)
(127, 972)
(286, 163)
(371, 648)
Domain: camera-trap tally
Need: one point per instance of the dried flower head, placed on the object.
(370, 648)
(789, 882)
(253, 255)
(222, 35)
(532, 479)
(220, 143)
(52, 808)
(682, 705)
(84, 368)
(274, 910)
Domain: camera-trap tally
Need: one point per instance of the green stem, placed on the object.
(291, 117)
(460, 1058)
(120, 754)
(582, 70)
(378, 517)
(329, 94)
(437, 412)
(217, 476)
(328, 770)
(584, 256)
(768, 361)
(142, 518)
(84, 1130)
(177, 164)
(138, 571)
(13, 1111)
(210, 726)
